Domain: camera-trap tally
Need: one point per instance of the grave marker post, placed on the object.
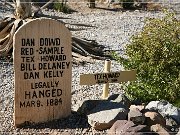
(42, 65)
(107, 77)
(107, 67)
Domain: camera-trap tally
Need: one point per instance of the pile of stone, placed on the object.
(119, 116)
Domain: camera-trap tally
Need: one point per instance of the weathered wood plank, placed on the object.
(42, 64)
(112, 77)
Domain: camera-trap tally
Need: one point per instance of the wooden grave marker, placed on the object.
(107, 77)
(43, 71)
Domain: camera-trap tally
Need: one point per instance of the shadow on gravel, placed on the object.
(79, 27)
(80, 24)
(109, 9)
(72, 122)
(117, 9)
(52, 17)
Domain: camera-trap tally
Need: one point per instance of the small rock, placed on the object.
(165, 109)
(153, 118)
(178, 132)
(120, 98)
(105, 114)
(87, 106)
(124, 127)
(136, 116)
(170, 121)
(160, 130)
(139, 107)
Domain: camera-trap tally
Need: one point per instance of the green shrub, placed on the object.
(62, 7)
(155, 54)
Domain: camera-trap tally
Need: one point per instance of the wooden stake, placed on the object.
(107, 67)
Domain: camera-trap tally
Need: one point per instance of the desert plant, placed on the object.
(127, 4)
(155, 54)
(62, 7)
(92, 3)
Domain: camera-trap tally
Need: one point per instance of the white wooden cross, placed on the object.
(107, 77)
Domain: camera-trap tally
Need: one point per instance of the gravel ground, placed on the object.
(109, 28)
